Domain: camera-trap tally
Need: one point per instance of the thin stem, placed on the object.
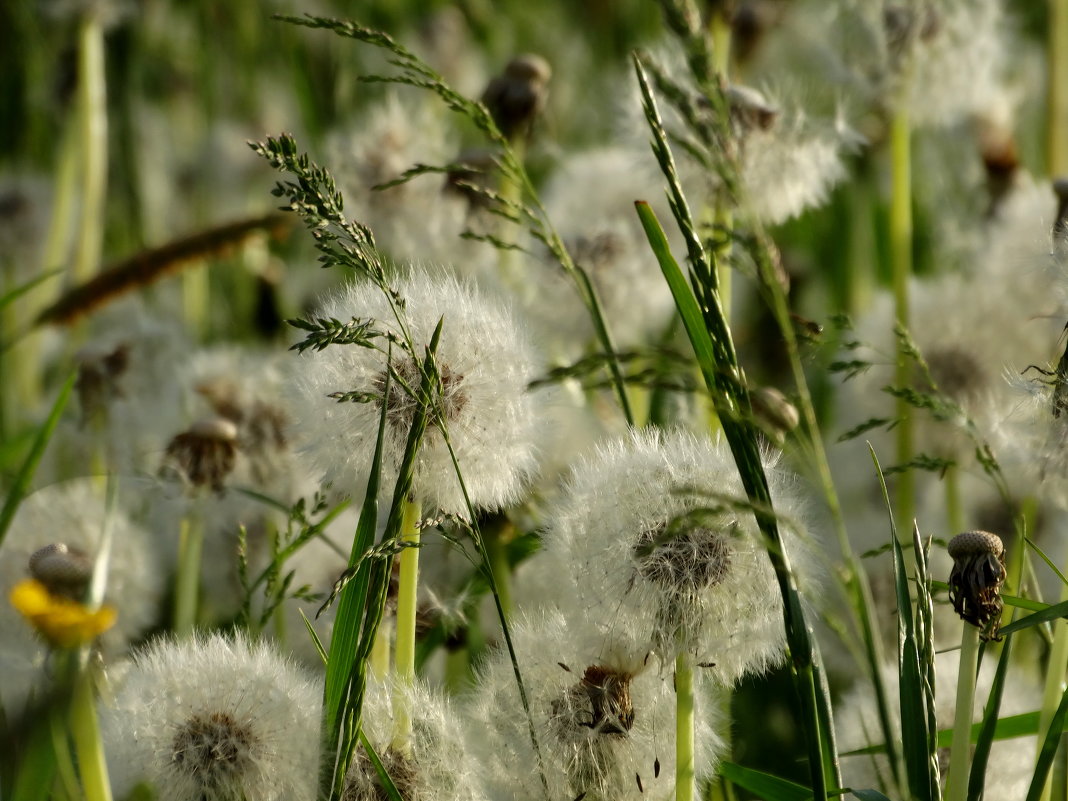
(684, 724)
(960, 756)
(496, 538)
(379, 660)
(93, 125)
(87, 744)
(1057, 97)
(954, 509)
(407, 604)
(187, 585)
(901, 268)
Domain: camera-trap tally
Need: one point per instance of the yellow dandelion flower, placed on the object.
(61, 621)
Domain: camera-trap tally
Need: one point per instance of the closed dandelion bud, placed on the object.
(667, 558)
(214, 718)
(203, 455)
(484, 364)
(98, 384)
(976, 579)
(64, 571)
(516, 97)
(776, 416)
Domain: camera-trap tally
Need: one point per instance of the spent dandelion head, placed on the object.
(976, 579)
(203, 456)
(214, 717)
(484, 364)
(518, 95)
(600, 718)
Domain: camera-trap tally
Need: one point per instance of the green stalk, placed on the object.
(87, 744)
(1055, 683)
(495, 537)
(187, 584)
(93, 136)
(960, 755)
(954, 509)
(407, 604)
(684, 727)
(901, 270)
(1057, 95)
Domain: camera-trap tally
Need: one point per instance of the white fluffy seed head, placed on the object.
(74, 511)
(484, 363)
(665, 556)
(599, 723)
(437, 765)
(214, 717)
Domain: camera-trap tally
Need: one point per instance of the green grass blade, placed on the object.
(1046, 615)
(1049, 750)
(914, 689)
(869, 795)
(22, 480)
(988, 726)
(384, 779)
(764, 785)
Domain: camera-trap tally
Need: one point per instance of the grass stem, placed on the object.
(187, 584)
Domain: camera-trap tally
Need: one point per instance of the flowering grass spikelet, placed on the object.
(214, 717)
(666, 555)
(484, 364)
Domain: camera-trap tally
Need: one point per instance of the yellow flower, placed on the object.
(61, 621)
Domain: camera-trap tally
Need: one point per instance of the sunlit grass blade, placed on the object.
(988, 726)
(1050, 744)
(384, 779)
(24, 476)
(1049, 614)
(714, 348)
(764, 785)
(915, 692)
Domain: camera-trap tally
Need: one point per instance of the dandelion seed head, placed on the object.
(484, 364)
(665, 556)
(75, 510)
(598, 720)
(214, 717)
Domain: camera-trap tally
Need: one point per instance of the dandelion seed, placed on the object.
(214, 718)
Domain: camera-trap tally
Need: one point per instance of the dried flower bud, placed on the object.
(611, 708)
(776, 416)
(63, 570)
(98, 379)
(976, 579)
(750, 110)
(1000, 160)
(518, 96)
(204, 455)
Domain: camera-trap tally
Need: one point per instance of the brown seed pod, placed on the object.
(976, 579)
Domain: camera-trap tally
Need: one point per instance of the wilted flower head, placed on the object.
(665, 554)
(484, 365)
(214, 718)
(202, 456)
(976, 579)
(604, 726)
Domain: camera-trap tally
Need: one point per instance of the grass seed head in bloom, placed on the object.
(215, 718)
(484, 363)
(666, 556)
(600, 720)
(976, 579)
